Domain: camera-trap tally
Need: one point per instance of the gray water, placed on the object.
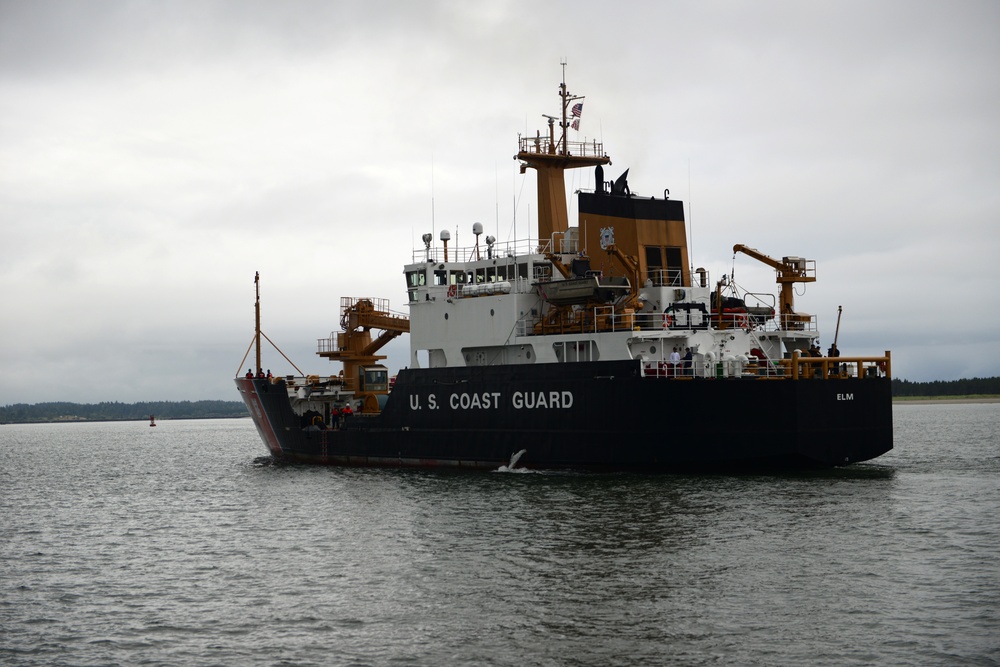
(122, 544)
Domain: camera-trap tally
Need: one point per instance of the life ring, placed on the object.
(452, 291)
(668, 320)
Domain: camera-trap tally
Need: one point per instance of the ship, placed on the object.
(593, 347)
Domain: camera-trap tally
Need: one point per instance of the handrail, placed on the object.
(838, 367)
(467, 254)
(597, 319)
(661, 277)
(797, 368)
(542, 145)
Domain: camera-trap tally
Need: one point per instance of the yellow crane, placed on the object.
(788, 270)
(354, 347)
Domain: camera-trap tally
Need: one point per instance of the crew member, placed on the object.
(834, 352)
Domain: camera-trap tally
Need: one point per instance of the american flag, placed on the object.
(578, 109)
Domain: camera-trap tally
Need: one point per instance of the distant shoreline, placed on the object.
(80, 420)
(903, 400)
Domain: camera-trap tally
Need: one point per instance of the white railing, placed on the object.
(600, 319)
(604, 319)
(309, 381)
(704, 368)
(542, 145)
(665, 277)
(456, 253)
(796, 368)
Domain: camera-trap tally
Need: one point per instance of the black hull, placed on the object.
(591, 416)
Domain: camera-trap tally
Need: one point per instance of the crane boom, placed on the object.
(354, 347)
(788, 270)
(630, 264)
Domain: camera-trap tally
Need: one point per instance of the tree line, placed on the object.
(967, 387)
(115, 411)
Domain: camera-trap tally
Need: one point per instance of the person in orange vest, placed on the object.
(335, 417)
(249, 374)
(347, 411)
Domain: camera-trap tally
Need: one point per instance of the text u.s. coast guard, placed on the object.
(491, 400)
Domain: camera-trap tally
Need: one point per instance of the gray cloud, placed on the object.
(153, 156)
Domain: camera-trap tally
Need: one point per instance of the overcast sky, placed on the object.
(154, 155)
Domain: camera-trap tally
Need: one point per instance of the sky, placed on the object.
(155, 155)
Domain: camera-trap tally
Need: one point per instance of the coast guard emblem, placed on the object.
(607, 237)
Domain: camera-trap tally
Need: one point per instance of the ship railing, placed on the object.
(604, 319)
(545, 146)
(797, 322)
(597, 319)
(681, 321)
(796, 368)
(312, 386)
(665, 277)
(482, 252)
(806, 367)
(314, 381)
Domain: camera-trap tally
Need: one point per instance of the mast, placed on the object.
(256, 307)
(550, 156)
(563, 93)
(836, 335)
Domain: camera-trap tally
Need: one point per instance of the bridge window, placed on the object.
(375, 379)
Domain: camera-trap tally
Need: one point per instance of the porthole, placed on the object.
(446, 316)
(491, 312)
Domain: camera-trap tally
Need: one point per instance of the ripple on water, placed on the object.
(124, 546)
